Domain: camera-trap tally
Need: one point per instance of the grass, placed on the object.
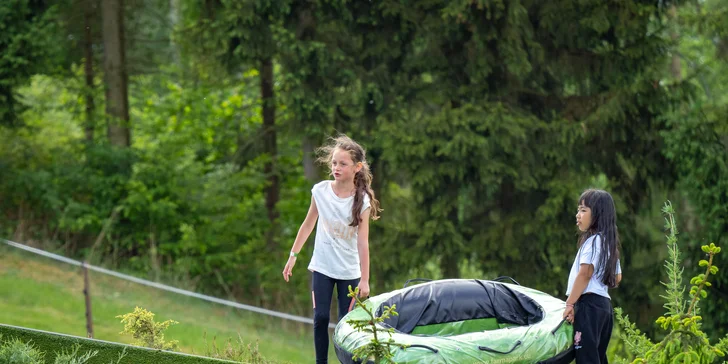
(52, 348)
(42, 294)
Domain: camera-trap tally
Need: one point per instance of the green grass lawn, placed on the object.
(43, 294)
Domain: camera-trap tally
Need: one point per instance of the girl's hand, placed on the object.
(363, 289)
(569, 314)
(288, 270)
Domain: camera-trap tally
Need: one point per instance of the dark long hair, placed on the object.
(603, 223)
(362, 179)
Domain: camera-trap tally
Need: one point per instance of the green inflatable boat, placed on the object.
(466, 321)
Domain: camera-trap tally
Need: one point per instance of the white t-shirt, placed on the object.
(335, 253)
(589, 254)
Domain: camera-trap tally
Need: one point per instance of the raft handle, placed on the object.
(485, 348)
(553, 332)
(420, 346)
(416, 280)
(506, 277)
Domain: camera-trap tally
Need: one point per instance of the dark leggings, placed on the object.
(322, 291)
(593, 321)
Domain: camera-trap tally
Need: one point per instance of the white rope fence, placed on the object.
(163, 287)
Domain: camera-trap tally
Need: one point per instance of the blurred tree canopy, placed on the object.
(483, 121)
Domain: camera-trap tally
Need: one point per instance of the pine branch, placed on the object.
(674, 293)
(700, 281)
(376, 349)
(637, 343)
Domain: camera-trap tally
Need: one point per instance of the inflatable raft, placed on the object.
(465, 321)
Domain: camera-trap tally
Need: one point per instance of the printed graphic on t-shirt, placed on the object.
(339, 230)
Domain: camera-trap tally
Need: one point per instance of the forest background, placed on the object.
(175, 138)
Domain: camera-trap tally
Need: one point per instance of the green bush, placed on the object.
(684, 341)
(15, 351)
(141, 326)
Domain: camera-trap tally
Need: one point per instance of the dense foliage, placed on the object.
(483, 119)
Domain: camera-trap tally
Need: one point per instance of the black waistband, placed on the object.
(589, 296)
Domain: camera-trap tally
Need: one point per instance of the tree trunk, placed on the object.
(89, 71)
(117, 101)
(449, 266)
(305, 32)
(722, 48)
(174, 16)
(675, 67)
(450, 258)
(309, 165)
(269, 142)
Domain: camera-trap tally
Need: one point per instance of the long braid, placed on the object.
(363, 184)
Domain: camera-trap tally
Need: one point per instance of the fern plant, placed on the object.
(684, 342)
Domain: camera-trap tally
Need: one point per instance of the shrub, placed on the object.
(15, 351)
(684, 342)
(141, 326)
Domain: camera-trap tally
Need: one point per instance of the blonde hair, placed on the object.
(362, 179)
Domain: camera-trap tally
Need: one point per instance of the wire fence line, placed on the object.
(160, 286)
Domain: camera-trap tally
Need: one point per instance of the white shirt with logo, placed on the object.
(335, 252)
(589, 254)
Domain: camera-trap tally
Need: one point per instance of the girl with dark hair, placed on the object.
(596, 268)
(343, 207)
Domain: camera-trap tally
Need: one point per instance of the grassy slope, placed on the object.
(42, 294)
(106, 352)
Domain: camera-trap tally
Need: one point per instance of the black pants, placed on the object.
(322, 291)
(593, 321)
